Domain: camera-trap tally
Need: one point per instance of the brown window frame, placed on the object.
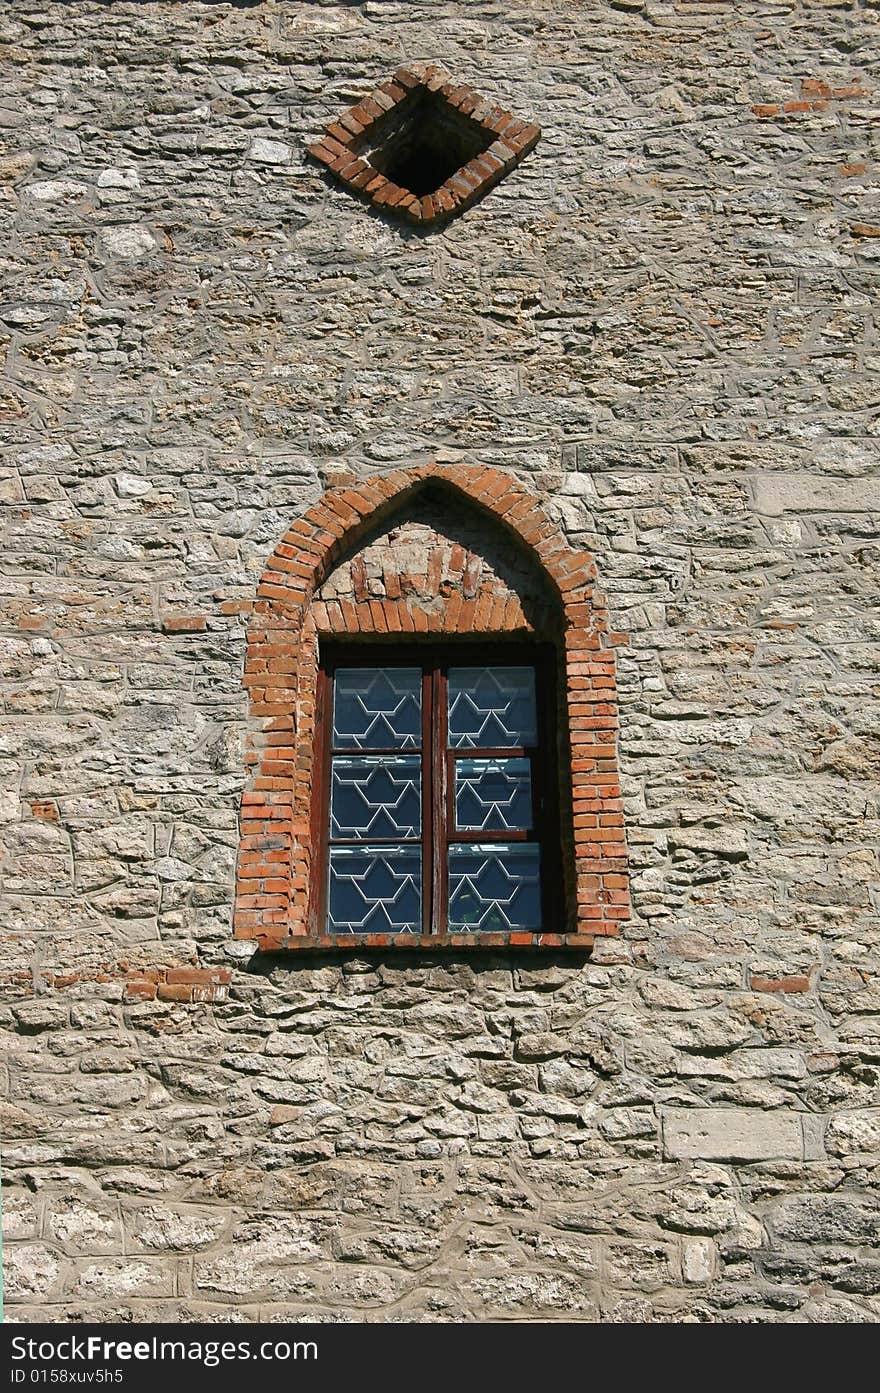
(437, 770)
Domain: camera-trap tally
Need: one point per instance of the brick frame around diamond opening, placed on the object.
(281, 672)
(509, 140)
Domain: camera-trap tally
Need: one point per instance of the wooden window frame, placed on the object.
(437, 773)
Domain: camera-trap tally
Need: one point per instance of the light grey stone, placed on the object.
(160, 1228)
(129, 241)
(698, 1259)
(56, 190)
(744, 1064)
(734, 1134)
(118, 179)
(112, 1279)
(854, 1133)
(779, 493)
(31, 1272)
(837, 1218)
(265, 151)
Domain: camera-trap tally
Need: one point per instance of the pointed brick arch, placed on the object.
(272, 892)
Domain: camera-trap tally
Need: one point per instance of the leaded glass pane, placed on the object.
(375, 889)
(493, 795)
(377, 708)
(492, 707)
(494, 887)
(376, 796)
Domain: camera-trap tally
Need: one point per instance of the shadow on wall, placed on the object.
(477, 964)
(208, 4)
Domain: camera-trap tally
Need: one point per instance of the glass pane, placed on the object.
(494, 887)
(377, 708)
(493, 795)
(376, 796)
(492, 707)
(375, 889)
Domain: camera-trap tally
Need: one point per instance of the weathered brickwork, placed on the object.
(436, 557)
(660, 324)
(292, 614)
(506, 139)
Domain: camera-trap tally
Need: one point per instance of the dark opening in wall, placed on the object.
(422, 145)
(427, 143)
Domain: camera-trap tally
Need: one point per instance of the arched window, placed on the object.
(432, 683)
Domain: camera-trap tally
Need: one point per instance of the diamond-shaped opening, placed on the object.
(423, 146)
(424, 143)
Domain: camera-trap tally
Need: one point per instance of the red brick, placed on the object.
(321, 149)
(139, 989)
(184, 623)
(798, 983)
(198, 976)
(392, 618)
(174, 992)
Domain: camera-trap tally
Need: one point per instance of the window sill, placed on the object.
(435, 942)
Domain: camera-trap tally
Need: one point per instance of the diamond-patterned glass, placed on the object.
(375, 889)
(493, 795)
(377, 708)
(376, 796)
(492, 707)
(494, 887)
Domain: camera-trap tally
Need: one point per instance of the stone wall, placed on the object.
(660, 322)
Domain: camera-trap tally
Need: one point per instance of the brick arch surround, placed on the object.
(289, 619)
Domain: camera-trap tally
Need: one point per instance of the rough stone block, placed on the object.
(731, 1134)
(854, 1133)
(807, 493)
(698, 1259)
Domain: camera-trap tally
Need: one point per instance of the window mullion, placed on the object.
(428, 794)
(439, 805)
(320, 816)
(545, 808)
